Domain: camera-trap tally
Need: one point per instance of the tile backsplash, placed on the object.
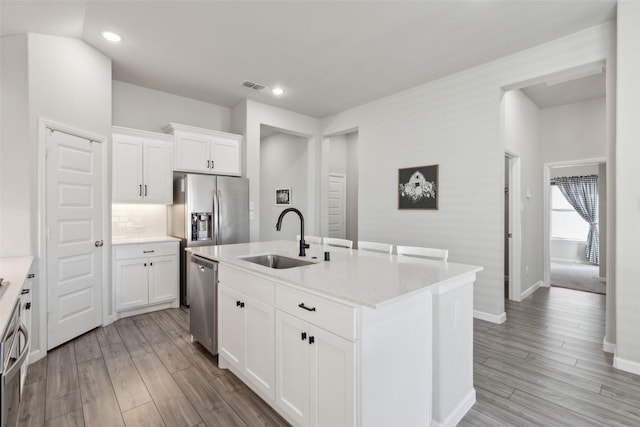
(138, 220)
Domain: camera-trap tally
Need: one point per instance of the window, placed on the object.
(565, 221)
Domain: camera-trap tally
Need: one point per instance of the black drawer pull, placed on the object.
(312, 340)
(31, 276)
(301, 305)
(304, 336)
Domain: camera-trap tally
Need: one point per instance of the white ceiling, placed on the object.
(546, 95)
(328, 55)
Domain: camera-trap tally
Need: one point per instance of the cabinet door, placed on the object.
(259, 345)
(232, 328)
(127, 169)
(225, 156)
(163, 278)
(132, 283)
(332, 379)
(292, 367)
(192, 153)
(158, 174)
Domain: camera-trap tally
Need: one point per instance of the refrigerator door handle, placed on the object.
(216, 216)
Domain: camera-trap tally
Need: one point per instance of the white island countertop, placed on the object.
(361, 277)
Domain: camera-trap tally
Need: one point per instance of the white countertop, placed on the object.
(361, 277)
(135, 240)
(14, 271)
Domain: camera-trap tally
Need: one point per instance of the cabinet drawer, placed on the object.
(253, 286)
(146, 250)
(331, 315)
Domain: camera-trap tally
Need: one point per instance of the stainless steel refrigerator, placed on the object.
(207, 210)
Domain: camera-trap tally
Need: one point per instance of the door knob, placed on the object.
(99, 243)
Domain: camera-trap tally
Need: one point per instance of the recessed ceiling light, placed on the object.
(277, 91)
(111, 36)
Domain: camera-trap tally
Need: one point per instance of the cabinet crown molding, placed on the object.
(120, 130)
(172, 128)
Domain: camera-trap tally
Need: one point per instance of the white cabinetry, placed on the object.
(247, 328)
(315, 368)
(26, 311)
(142, 167)
(146, 276)
(205, 150)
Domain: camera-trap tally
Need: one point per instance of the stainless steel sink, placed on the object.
(276, 261)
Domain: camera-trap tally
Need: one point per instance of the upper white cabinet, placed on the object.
(142, 167)
(205, 150)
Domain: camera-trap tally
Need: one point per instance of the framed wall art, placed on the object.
(283, 197)
(418, 187)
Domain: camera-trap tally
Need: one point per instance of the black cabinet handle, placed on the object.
(208, 164)
(241, 305)
(213, 164)
(237, 303)
(151, 264)
(145, 264)
(311, 340)
(25, 291)
(301, 305)
(145, 190)
(31, 276)
(140, 191)
(27, 306)
(304, 336)
(148, 252)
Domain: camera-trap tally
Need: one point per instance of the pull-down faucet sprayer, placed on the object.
(303, 245)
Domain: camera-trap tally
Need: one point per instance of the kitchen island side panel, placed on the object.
(395, 363)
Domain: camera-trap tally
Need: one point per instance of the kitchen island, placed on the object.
(364, 339)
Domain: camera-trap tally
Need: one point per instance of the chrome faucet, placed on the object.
(303, 245)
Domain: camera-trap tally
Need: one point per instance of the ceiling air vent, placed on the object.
(253, 85)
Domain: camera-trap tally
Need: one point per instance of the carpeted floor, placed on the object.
(581, 277)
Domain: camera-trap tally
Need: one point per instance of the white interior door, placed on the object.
(74, 224)
(337, 206)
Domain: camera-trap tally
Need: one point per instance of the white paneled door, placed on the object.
(337, 206)
(74, 238)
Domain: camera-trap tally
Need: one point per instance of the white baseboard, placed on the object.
(607, 346)
(531, 290)
(458, 414)
(499, 319)
(36, 355)
(626, 365)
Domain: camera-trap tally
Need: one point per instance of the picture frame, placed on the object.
(418, 187)
(283, 196)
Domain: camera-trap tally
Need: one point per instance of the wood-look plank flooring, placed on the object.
(544, 366)
(138, 371)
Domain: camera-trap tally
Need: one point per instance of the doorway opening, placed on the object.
(577, 222)
(342, 188)
(283, 167)
(512, 228)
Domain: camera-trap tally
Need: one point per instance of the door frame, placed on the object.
(515, 226)
(546, 209)
(344, 201)
(108, 315)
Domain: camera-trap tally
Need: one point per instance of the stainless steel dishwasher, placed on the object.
(203, 287)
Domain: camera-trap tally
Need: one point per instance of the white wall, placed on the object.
(338, 154)
(522, 136)
(258, 114)
(283, 164)
(69, 82)
(627, 267)
(142, 108)
(16, 151)
(453, 122)
(574, 131)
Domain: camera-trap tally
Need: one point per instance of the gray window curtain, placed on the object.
(582, 193)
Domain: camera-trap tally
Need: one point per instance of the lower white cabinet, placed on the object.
(315, 374)
(145, 275)
(247, 337)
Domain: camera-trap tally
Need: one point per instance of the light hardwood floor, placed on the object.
(544, 366)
